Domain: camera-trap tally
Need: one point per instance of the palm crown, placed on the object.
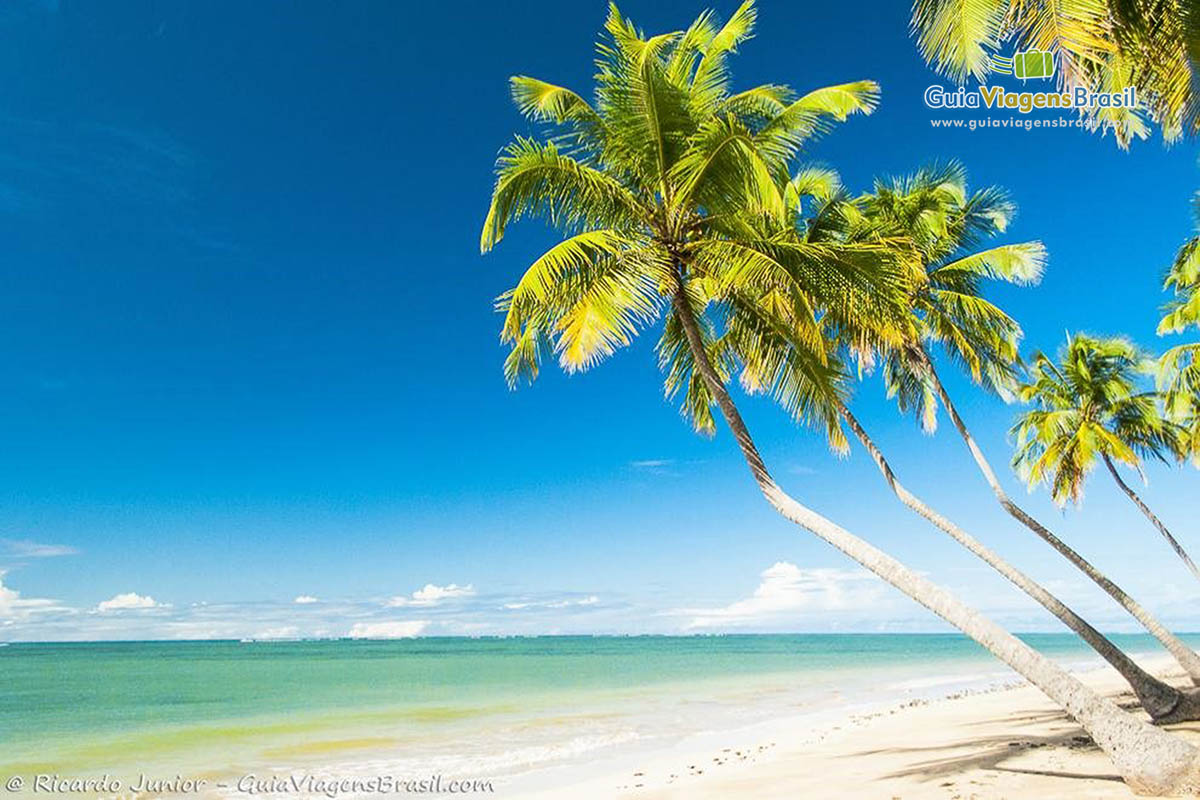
(1088, 407)
(947, 223)
(671, 189)
(1179, 369)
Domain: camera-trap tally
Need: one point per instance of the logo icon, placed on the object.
(1026, 64)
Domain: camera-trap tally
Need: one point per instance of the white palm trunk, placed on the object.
(1154, 520)
(1150, 760)
(1186, 657)
(1163, 702)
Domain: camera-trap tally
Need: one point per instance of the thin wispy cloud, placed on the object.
(568, 602)
(27, 548)
(140, 178)
(652, 463)
(658, 467)
(305, 599)
(662, 467)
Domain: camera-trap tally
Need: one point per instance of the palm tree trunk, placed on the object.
(1150, 760)
(1182, 653)
(1163, 702)
(1137, 501)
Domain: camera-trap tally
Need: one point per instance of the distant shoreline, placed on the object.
(501, 637)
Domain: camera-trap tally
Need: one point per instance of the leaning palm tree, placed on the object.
(1179, 367)
(1163, 702)
(1087, 407)
(946, 223)
(1099, 45)
(762, 333)
(661, 186)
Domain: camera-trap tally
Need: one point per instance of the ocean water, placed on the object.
(466, 708)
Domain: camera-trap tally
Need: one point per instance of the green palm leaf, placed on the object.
(956, 36)
(535, 178)
(1088, 407)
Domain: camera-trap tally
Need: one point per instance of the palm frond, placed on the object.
(1184, 280)
(783, 354)
(956, 36)
(711, 80)
(810, 116)
(535, 178)
(1021, 264)
(545, 102)
(609, 310)
(1078, 30)
(911, 388)
(677, 361)
(859, 284)
(567, 260)
(721, 170)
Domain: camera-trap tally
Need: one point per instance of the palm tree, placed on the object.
(661, 187)
(1179, 367)
(761, 333)
(1088, 407)
(1162, 701)
(946, 223)
(1100, 45)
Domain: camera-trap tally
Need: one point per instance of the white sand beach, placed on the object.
(1004, 743)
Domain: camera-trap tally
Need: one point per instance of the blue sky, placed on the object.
(251, 352)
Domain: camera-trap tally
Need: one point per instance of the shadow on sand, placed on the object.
(996, 752)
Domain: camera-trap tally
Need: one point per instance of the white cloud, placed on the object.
(787, 591)
(406, 629)
(431, 595)
(126, 601)
(26, 548)
(281, 632)
(14, 607)
(567, 602)
(305, 599)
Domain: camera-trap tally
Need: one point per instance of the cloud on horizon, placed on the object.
(787, 593)
(785, 598)
(395, 629)
(14, 608)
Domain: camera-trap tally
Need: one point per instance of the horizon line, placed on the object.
(309, 639)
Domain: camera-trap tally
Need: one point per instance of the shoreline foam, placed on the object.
(1000, 741)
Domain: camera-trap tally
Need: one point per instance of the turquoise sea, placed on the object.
(492, 708)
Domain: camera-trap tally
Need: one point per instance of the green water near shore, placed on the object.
(466, 705)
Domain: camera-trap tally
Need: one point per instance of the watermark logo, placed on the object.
(1025, 65)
